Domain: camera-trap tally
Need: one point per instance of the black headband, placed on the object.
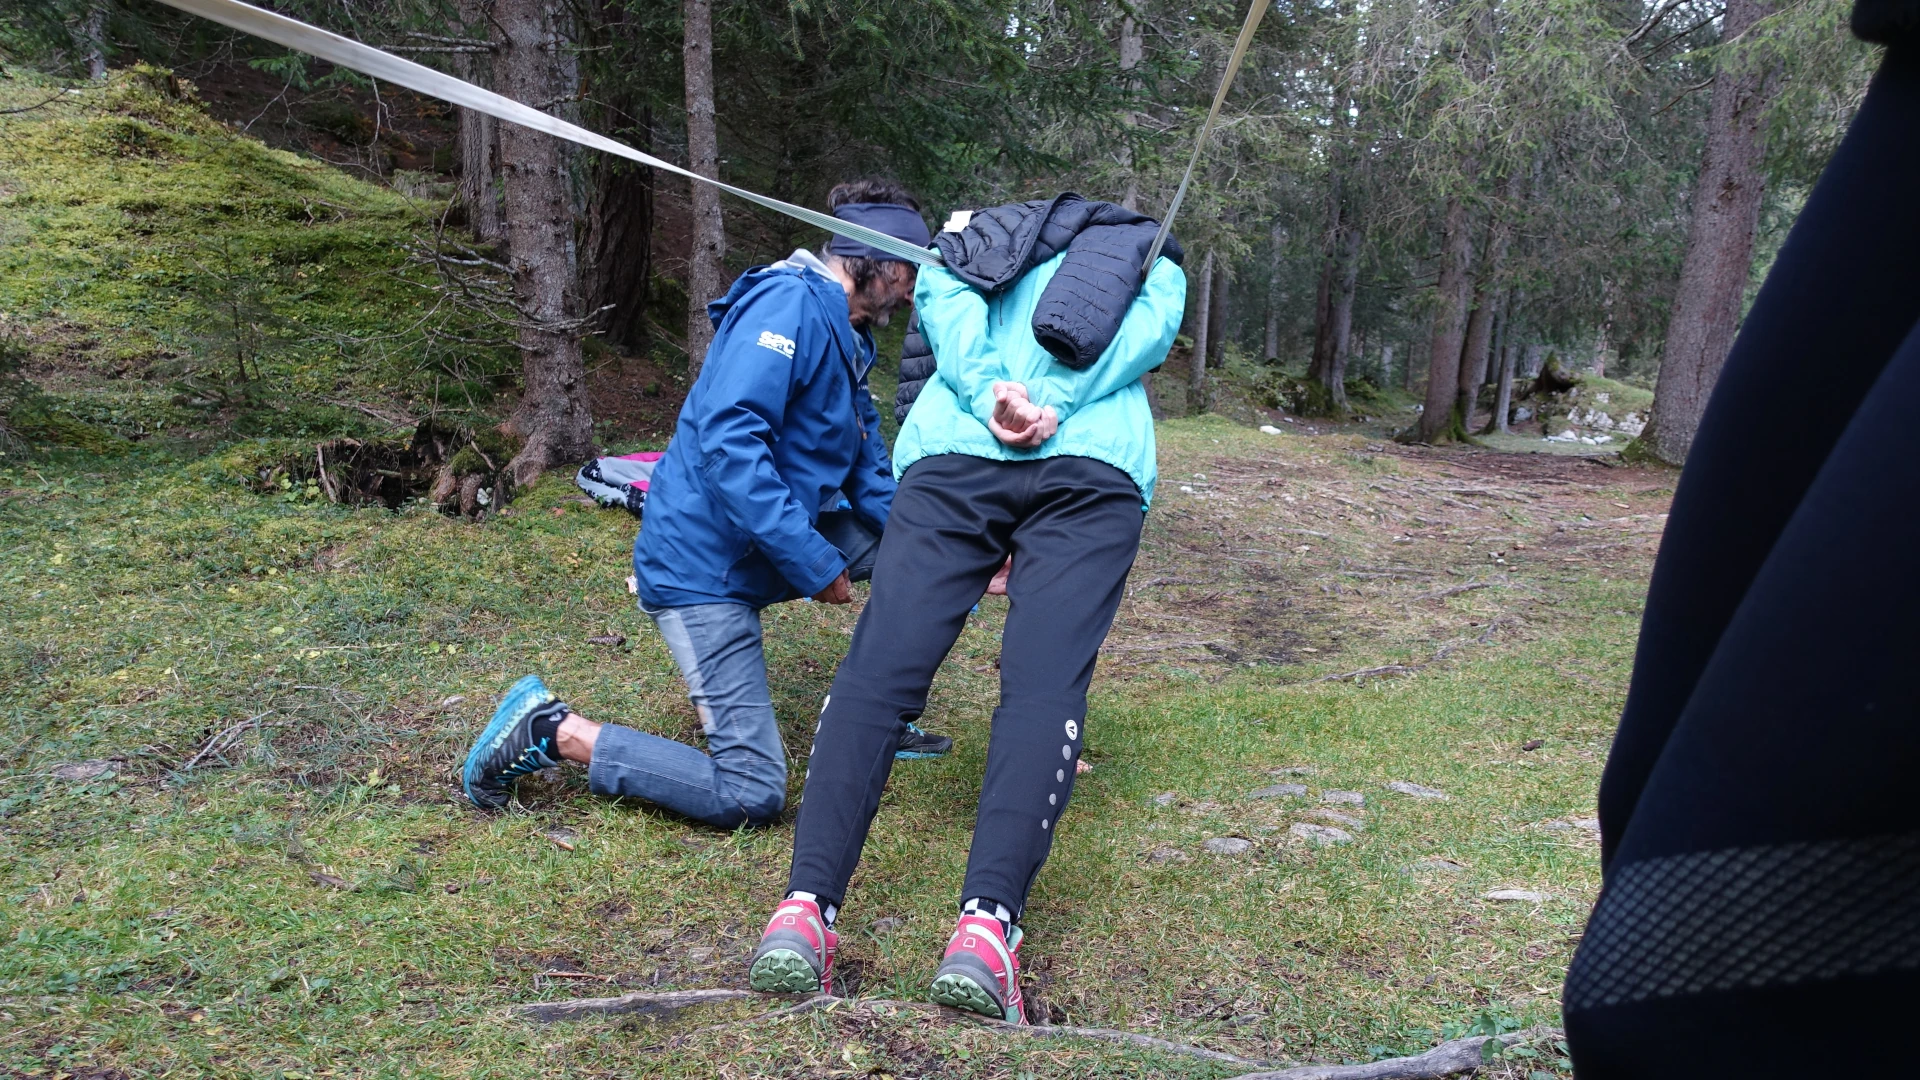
(900, 222)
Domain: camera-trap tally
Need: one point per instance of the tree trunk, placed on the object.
(95, 30)
(553, 415)
(1323, 294)
(1455, 290)
(1217, 313)
(1202, 320)
(619, 243)
(1477, 347)
(706, 274)
(477, 135)
(1719, 258)
(1132, 48)
(1271, 350)
(1341, 314)
(1503, 350)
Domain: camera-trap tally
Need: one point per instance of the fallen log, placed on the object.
(1455, 1058)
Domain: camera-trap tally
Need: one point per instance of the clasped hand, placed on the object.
(1017, 421)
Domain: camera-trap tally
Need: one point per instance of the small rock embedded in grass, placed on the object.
(1165, 798)
(1590, 826)
(1278, 791)
(1515, 896)
(329, 880)
(448, 704)
(1338, 818)
(1533, 744)
(1228, 845)
(1436, 863)
(886, 924)
(1351, 798)
(1292, 770)
(1320, 835)
(700, 955)
(614, 640)
(1402, 787)
(1166, 853)
(77, 771)
(564, 839)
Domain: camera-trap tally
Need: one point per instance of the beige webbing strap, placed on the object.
(379, 64)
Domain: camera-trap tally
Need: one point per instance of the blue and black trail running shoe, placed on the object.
(507, 750)
(922, 744)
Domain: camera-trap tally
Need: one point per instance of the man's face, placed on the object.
(873, 304)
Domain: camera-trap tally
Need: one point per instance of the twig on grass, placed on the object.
(222, 742)
(1448, 1059)
(1454, 591)
(548, 1012)
(1371, 672)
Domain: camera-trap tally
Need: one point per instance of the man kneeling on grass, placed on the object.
(775, 487)
(1023, 445)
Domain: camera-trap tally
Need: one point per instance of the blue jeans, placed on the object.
(742, 778)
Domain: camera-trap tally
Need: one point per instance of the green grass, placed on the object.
(148, 252)
(163, 919)
(312, 898)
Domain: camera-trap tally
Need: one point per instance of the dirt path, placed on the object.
(1305, 548)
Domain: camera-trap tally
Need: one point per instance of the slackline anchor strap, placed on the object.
(1199, 144)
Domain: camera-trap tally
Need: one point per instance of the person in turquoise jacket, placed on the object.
(1008, 452)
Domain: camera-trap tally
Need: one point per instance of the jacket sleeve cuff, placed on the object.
(815, 568)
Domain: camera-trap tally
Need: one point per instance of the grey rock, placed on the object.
(700, 955)
(1292, 770)
(886, 924)
(1338, 818)
(1228, 845)
(1165, 798)
(1351, 798)
(1436, 863)
(1320, 835)
(83, 770)
(1515, 896)
(1402, 787)
(1278, 791)
(1166, 853)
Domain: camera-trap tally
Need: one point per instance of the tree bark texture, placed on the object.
(619, 244)
(706, 273)
(478, 141)
(1478, 345)
(1719, 258)
(1503, 349)
(553, 415)
(1454, 293)
(1133, 47)
(1323, 294)
(1202, 322)
(1340, 313)
(1217, 312)
(96, 40)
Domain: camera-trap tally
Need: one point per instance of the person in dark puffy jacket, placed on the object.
(776, 487)
(916, 367)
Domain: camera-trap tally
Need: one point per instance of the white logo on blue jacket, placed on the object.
(779, 343)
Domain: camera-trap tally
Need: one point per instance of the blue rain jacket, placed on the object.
(779, 419)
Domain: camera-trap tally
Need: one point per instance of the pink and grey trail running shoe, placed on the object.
(981, 971)
(795, 955)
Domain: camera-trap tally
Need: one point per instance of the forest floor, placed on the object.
(231, 842)
(230, 838)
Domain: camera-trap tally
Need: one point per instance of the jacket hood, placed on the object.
(856, 346)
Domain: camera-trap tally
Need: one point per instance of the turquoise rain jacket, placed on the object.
(979, 340)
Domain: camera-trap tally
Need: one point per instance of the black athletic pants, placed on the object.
(1760, 810)
(1072, 525)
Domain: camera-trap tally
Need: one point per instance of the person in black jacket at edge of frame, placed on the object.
(1760, 831)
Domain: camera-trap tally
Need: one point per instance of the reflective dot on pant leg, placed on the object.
(1053, 800)
(1060, 775)
(1044, 823)
(1066, 752)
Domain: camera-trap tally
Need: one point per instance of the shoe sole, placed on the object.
(783, 971)
(959, 991)
(528, 693)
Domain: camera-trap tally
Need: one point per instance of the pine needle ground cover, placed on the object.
(232, 846)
